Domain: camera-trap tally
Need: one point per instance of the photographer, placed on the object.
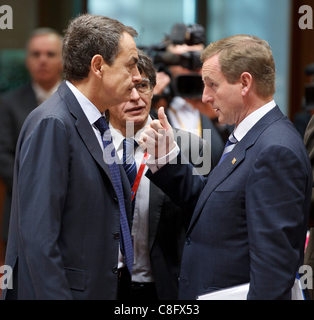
(179, 86)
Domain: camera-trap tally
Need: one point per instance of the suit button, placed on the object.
(116, 236)
(115, 269)
(116, 201)
(188, 241)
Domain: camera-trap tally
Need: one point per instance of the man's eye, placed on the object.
(51, 54)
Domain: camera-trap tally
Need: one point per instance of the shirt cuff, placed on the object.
(155, 164)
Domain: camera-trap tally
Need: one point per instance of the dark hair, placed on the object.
(87, 36)
(145, 65)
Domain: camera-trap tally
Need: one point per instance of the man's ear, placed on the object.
(97, 65)
(246, 81)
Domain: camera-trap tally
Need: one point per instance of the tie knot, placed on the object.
(102, 125)
(232, 139)
(231, 143)
(129, 145)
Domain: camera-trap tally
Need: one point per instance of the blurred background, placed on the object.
(275, 21)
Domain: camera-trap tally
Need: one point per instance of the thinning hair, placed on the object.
(43, 32)
(245, 53)
(87, 36)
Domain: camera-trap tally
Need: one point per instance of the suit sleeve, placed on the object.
(180, 182)
(42, 188)
(275, 198)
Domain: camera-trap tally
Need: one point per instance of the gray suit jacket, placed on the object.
(65, 220)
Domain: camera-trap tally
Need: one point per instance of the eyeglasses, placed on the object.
(143, 87)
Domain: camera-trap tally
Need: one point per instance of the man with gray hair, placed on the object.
(71, 212)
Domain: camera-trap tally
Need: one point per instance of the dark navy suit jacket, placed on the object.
(65, 219)
(250, 216)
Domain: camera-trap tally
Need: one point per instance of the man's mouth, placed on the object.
(136, 109)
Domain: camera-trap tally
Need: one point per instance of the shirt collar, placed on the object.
(90, 110)
(41, 94)
(118, 137)
(248, 123)
(179, 103)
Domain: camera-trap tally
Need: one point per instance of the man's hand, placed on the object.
(157, 138)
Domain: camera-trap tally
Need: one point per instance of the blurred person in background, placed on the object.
(191, 113)
(44, 63)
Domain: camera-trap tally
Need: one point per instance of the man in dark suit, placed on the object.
(65, 238)
(159, 226)
(251, 214)
(44, 63)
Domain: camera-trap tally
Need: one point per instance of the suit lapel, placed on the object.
(83, 127)
(234, 160)
(217, 176)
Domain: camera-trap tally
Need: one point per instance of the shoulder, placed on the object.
(18, 93)
(50, 116)
(277, 144)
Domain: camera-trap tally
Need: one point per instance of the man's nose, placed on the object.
(43, 58)
(137, 78)
(135, 95)
(207, 97)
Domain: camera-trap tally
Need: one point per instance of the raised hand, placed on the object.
(158, 138)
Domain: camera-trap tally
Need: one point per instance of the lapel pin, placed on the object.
(234, 161)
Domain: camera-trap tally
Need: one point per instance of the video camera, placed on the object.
(309, 89)
(185, 86)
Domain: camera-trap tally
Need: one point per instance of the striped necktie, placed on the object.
(129, 164)
(231, 143)
(111, 159)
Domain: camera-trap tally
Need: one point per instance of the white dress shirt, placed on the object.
(249, 122)
(142, 271)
